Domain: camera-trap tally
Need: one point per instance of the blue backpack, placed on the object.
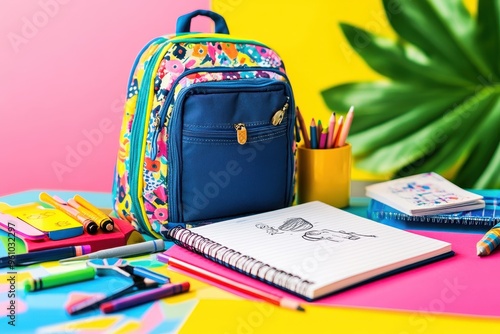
(208, 131)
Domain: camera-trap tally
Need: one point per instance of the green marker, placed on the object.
(35, 284)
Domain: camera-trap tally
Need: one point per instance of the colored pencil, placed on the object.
(319, 130)
(346, 127)
(331, 131)
(303, 129)
(229, 283)
(323, 138)
(338, 129)
(144, 297)
(314, 136)
(489, 241)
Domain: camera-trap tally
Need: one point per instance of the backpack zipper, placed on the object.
(137, 134)
(159, 120)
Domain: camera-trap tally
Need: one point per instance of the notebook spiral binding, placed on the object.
(237, 261)
(459, 220)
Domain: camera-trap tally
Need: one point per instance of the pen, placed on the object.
(89, 225)
(248, 290)
(489, 241)
(50, 281)
(43, 256)
(122, 251)
(144, 297)
(104, 221)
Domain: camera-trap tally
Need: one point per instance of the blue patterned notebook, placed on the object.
(486, 217)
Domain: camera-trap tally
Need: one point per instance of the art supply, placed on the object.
(123, 251)
(332, 136)
(314, 134)
(344, 131)
(19, 228)
(303, 128)
(331, 131)
(297, 130)
(87, 213)
(489, 242)
(311, 249)
(456, 274)
(104, 221)
(50, 281)
(114, 267)
(59, 204)
(319, 130)
(44, 256)
(229, 283)
(338, 129)
(323, 138)
(54, 223)
(123, 234)
(424, 194)
(144, 297)
(121, 266)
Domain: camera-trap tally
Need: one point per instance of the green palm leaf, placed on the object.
(440, 108)
(488, 22)
(444, 30)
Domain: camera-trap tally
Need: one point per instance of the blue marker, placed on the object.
(43, 256)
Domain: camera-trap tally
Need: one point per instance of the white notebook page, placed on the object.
(322, 244)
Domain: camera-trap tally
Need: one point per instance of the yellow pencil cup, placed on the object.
(324, 175)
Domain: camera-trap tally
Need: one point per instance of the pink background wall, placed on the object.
(64, 66)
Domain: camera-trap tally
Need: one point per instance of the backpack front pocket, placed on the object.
(233, 153)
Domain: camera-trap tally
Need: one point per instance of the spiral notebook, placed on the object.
(485, 218)
(424, 194)
(310, 250)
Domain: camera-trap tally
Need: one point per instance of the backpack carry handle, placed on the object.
(184, 21)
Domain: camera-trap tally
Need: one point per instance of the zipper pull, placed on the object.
(241, 133)
(280, 114)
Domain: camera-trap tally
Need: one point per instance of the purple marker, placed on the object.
(144, 297)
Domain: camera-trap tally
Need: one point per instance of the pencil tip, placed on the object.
(300, 308)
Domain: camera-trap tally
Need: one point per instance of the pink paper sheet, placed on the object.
(463, 284)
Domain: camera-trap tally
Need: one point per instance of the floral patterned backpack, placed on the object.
(207, 133)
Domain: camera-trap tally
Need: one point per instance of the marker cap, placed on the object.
(86, 249)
